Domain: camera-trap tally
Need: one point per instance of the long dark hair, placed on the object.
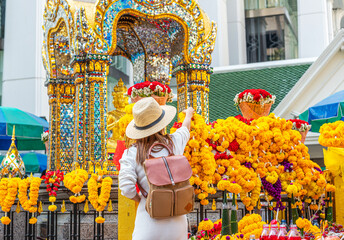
(144, 144)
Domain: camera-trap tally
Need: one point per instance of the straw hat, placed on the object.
(149, 118)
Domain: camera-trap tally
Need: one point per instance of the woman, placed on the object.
(148, 126)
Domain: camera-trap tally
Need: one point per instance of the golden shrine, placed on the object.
(161, 39)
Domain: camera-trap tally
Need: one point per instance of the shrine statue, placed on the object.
(119, 102)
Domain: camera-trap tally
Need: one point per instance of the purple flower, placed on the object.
(206, 219)
(248, 164)
(288, 167)
(275, 191)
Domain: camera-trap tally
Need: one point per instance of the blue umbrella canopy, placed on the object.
(34, 162)
(28, 129)
(331, 109)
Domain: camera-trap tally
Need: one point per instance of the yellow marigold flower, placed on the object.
(33, 220)
(100, 220)
(52, 199)
(300, 223)
(52, 208)
(73, 199)
(330, 188)
(205, 225)
(5, 220)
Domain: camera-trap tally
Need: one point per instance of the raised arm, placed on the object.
(188, 115)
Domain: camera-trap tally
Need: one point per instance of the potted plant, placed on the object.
(254, 103)
(301, 126)
(160, 92)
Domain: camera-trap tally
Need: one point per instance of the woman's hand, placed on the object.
(189, 112)
(188, 116)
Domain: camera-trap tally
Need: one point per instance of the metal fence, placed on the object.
(75, 224)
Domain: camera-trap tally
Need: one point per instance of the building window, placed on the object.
(271, 30)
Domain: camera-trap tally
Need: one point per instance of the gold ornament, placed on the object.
(13, 164)
(119, 102)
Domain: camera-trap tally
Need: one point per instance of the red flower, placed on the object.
(233, 146)
(130, 90)
(256, 97)
(298, 122)
(168, 89)
(177, 125)
(241, 118)
(257, 94)
(152, 86)
(146, 84)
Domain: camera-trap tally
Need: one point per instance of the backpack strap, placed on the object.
(144, 193)
(170, 153)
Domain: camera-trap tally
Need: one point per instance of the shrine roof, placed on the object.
(278, 80)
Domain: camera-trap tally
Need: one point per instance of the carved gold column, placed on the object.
(61, 101)
(182, 97)
(193, 88)
(90, 73)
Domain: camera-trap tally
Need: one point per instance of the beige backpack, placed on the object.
(170, 193)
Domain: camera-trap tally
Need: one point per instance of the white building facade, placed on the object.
(249, 31)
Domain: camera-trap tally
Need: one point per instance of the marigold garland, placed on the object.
(8, 195)
(332, 134)
(99, 201)
(8, 192)
(266, 153)
(32, 184)
(74, 181)
(198, 152)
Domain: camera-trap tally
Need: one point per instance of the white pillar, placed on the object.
(217, 11)
(23, 72)
(236, 32)
(313, 32)
(329, 9)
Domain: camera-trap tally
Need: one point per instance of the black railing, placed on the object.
(75, 224)
(57, 225)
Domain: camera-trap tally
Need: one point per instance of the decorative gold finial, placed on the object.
(14, 133)
(12, 165)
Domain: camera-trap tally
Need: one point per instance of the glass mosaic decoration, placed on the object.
(161, 39)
